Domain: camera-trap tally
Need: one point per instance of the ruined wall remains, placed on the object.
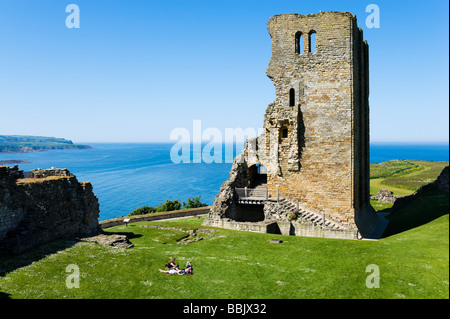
(50, 205)
(315, 144)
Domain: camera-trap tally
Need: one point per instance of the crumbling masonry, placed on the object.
(308, 172)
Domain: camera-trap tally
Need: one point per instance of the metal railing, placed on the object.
(257, 193)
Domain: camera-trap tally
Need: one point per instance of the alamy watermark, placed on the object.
(373, 280)
(373, 19)
(207, 145)
(73, 19)
(73, 279)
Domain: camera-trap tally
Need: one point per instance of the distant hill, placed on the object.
(25, 144)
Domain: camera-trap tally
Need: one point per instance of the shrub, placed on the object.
(294, 215)
(168, 206)
(194, 202)
(142, 211)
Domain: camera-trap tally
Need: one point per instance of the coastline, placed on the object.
(29, 150)
(14, 161)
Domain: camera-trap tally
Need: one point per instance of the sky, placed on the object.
(136, 70)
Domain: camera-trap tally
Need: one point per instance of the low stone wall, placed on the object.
(156, 216)
(293, 228)
(44, 173)
(258, 227)
(306, 229)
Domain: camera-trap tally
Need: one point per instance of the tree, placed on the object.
(194, 202)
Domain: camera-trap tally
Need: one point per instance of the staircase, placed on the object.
(284, 207)
(306, 215)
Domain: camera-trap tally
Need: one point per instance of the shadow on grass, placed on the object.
(13, 262)
(386, 210)
(4, 295)
(421, 208)
(130, 235)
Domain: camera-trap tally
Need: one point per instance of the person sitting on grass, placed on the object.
(171, 264)
(189, 270)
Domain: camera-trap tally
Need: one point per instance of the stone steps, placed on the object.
(304, 216)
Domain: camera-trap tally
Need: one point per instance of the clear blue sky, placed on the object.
(135, 70)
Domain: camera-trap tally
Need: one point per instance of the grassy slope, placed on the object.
(407, 182)
(235, 264)
(417, 178)
(414, 175)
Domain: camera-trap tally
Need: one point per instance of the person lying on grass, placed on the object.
(188, 271)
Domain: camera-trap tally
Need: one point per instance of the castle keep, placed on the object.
(312, 159)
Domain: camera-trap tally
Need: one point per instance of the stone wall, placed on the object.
(36, 210)
(442, 182)
(155, 216)
(323, 161)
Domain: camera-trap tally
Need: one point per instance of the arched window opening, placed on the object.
(291, 97)
(299, 43)
(312, 41)
(284, 133)
(260, 169)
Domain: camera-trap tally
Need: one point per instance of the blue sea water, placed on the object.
(381, 152)
(128, 176)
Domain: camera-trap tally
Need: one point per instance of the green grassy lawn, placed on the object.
(417, 178)
(389, 168)
(385, 175)
(401, 177)
(431, 204)
(413, 258)
(235, 264)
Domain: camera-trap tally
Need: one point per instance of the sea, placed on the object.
(126, 176)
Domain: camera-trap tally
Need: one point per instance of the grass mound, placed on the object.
(234, 264)
(413, 261)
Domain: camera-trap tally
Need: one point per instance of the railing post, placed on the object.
(298, 206)
(267, 194)
(245, 192)
(323, 219)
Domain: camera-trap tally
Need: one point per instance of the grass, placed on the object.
(403, 182)
(402, 178)
(389, 168)
(415, 179)
(432, 203)
(236, 264)
(381, 207)
(413, 259)
(40, 180)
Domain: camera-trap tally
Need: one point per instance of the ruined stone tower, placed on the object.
(315, 145)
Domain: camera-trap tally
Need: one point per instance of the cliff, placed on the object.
(26, 144)
(48, 205)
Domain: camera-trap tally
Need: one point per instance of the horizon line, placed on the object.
(234, 142)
